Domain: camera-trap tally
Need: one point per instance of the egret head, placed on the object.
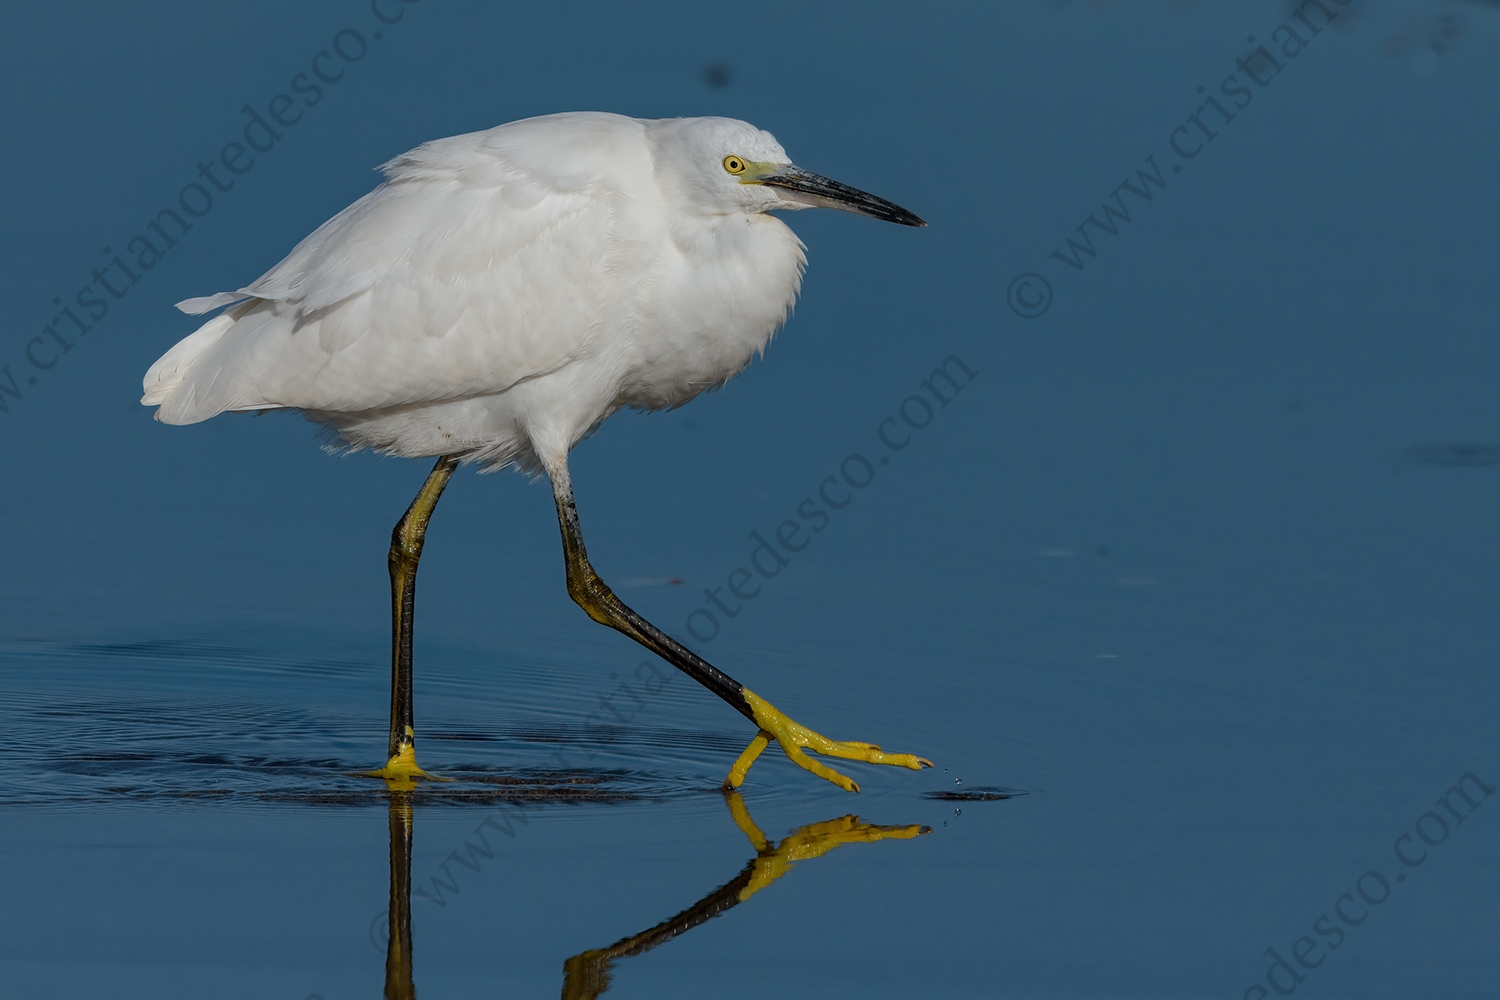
(723, 165)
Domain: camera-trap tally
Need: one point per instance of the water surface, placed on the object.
(1190, 592)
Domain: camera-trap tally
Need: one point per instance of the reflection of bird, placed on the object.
(499, 296)
(587, 975)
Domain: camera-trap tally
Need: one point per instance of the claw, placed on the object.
(742, 764)
(795, 739)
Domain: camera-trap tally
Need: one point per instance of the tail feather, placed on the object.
(186, 384)
(164, 378)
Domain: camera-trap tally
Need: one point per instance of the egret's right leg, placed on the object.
(594, 596)
(406, 549)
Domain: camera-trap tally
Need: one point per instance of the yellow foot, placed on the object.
(401, 771)
(795, 738)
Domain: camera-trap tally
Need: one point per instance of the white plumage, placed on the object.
(498, 296)
(503, 292)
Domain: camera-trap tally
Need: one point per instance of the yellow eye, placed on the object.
(734, 164)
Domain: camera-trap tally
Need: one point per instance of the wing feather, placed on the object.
(476, 265)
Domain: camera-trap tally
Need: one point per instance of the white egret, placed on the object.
(498, 296)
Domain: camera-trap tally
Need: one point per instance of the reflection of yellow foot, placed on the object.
(401, 771)
(795, 738)
(811, 841)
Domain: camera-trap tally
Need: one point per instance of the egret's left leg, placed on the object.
(406, 550)
(594, 596)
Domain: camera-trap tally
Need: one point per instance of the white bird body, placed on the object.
(501, 294)
(498, 296)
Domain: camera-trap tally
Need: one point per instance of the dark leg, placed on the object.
(594, 596)
(406, 549)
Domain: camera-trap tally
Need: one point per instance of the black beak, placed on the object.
(813, 189)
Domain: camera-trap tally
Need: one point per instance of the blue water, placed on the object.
(1190, 593)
